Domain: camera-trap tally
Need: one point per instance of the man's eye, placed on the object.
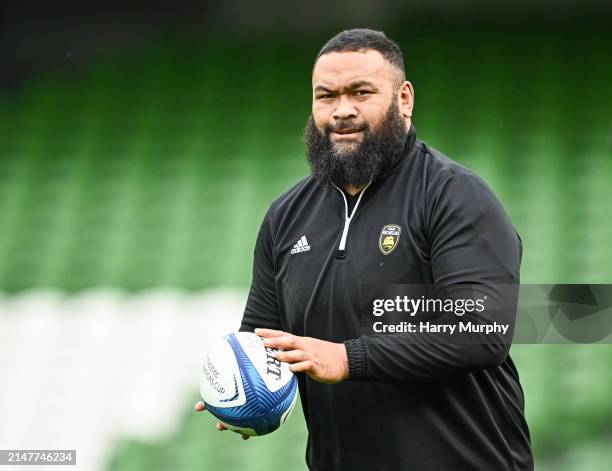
(362, 92)
(325, 96)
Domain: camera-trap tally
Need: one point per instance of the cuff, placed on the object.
(356, 354)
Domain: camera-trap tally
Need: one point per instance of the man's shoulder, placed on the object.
(440, 164)
(441, 170)
(289, 199)
(457, 189)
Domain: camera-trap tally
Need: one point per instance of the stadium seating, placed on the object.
(154, 169)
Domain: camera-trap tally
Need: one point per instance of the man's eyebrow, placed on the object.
(351, 86)
(361, 83)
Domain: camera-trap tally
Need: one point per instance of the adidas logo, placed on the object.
(301, 246)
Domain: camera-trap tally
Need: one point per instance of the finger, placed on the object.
(269, 332)
(286, 342)
(293, 356)
(200, 406)
(307, 366)
(220, 427)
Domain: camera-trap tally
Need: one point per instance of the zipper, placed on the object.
(347, 219)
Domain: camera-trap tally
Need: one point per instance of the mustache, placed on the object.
(343, 125)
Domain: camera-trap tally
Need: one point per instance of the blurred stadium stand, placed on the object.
(133, 180)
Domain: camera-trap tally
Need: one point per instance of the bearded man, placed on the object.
(382, 207)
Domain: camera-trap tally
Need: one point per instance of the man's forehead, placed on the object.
(342, 68)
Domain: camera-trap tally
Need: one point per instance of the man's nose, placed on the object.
(345, 109)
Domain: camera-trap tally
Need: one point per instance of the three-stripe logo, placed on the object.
(301, 246)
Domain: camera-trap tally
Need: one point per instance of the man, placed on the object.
(382, 207)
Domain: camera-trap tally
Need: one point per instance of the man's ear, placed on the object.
(406, 99)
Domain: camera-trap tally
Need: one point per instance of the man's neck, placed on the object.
(352, 190)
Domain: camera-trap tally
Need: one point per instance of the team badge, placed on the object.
(389, 238)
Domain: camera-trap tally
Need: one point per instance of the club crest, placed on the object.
(389, 238)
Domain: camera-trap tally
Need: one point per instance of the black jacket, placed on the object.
(406, 406)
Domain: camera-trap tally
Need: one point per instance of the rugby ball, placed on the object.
(245, 387)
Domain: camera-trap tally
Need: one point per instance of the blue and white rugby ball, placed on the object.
(244, 387)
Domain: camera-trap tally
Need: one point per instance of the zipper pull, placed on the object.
(341, 248)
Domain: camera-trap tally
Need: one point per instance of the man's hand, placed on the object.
(200, 407)
(323, 361)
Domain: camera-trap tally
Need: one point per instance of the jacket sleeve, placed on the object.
(472, 243)
(262, 308)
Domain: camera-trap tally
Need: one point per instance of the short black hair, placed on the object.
(352, 40)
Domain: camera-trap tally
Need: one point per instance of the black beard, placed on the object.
(378, 151)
